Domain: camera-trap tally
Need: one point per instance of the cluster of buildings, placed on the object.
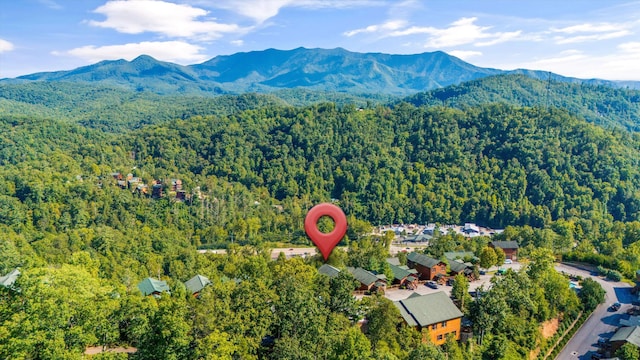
(156, 189)
(435, 312)
(148, 286)
(156, 288)
(424, 233)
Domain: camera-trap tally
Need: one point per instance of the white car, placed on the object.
(508, 261)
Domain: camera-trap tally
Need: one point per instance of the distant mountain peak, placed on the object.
(336, 70)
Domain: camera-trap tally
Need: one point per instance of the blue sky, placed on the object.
(586, 39)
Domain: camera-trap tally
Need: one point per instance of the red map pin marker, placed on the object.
(325, 242)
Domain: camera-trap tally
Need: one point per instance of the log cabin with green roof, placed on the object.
(150, 286)
(428, 268)
(434, 312)
(368, 281)
(196, 284)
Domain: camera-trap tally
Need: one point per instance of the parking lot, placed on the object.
(395, 294)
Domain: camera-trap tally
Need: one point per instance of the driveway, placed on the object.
(602, 322)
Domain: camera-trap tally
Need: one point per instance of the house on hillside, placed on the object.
(157, 189)
(181, 195)
(142, 189)
(625, 334)
(510, 248)
(196, 284)
(176, 184)
(153, 287)
(428, 268)
(9, 279)
(329, 270)
(404, 276)
(434, 312)
(368, 280)
(132, 182)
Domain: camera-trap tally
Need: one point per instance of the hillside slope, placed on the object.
(334, 70)
(598, 104)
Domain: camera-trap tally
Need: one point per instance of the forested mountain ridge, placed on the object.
(271, 70)
(114, 109)
(599, 104)
(495, 165)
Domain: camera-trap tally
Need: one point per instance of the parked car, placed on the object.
(431, 284)
(508, 261)
(615, 306)
(482, 272)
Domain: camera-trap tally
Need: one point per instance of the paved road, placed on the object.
(602, 323)
(311, 251)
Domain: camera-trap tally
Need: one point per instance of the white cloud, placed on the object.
(173, 51)
(623, 64)
(592, 28)
(238, 42)
(464, 54)
(257, 10)
(169, 19)
(391, 25)
(460, 32)
(563, 57)
(261, 10)
(501, 37)
(591, 32)
(465, 31)
(593, 37)
(5, 46)
(51, 4)
(630, 47)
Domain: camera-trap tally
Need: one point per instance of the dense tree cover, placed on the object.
(494, 165)
(506, 317)
(117, 109)
(84, 243)
(255, 308)
(599, 104)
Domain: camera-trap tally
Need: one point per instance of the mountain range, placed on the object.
(327, 70)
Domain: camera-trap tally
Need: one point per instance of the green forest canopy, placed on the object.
(553, 180)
